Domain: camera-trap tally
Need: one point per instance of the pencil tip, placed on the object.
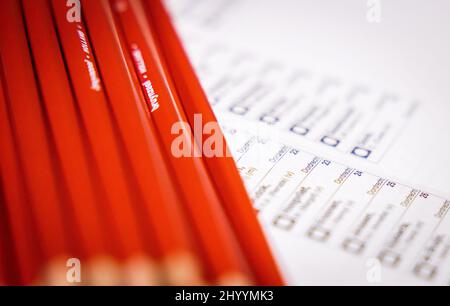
(55, 274)
(183, 270)
(234, 279)
(142, 271)
(104, 271)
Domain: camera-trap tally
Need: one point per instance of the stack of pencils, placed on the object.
(91, 190)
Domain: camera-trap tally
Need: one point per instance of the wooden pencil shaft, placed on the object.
(222, 170)
(33, 144)
(23, 230)
(208, 220)
(66, 131)
(101, 132)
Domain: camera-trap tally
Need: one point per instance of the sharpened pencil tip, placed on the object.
(142, 271)
(55, 274)
(104, 271)
(234, 279)
(183, 270)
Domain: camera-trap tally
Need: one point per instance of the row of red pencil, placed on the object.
(88, 100)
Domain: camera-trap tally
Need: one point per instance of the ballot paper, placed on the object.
(339, 128)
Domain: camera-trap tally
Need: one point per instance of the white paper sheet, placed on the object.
(339, 128)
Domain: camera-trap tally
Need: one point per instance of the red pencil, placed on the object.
(6, 264)
(223, 171)
(221, 253)
(23, 232)
(166, 224)
(9, 270)
(33, 146)
(68, 138)
(138, 263)
(3, 245)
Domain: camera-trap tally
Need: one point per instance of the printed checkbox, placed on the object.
(269, 119)
(389, 258)
(299, 130)
(284, 222)
(330, 141)
(318, 233)
(361, 152)
(425, 271)
(239, 110)
(354, 246)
